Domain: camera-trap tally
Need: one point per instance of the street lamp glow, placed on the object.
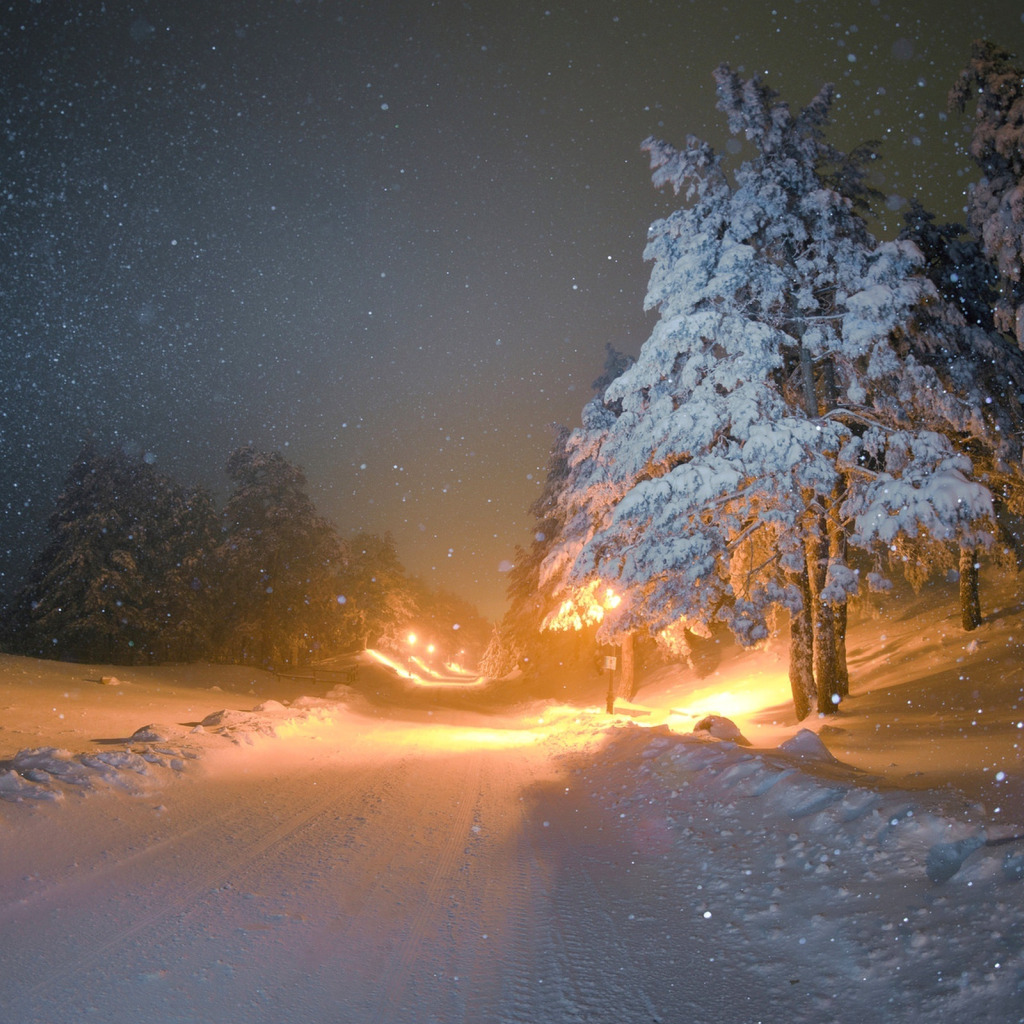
(586, 607)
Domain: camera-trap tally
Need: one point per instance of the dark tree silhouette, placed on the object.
(278, 562)
(124, 576)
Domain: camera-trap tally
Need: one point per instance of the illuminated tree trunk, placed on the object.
(837, 552)
(970, 599)
(823, 622)
(801, 660)
(842, 669)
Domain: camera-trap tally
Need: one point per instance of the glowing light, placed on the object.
(418, 672)
(748, 691)
(387, 662)
(412, 639)
(585, 608)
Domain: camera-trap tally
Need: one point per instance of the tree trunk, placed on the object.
(837, 553)
(801, 649)
(842, 669)
(611, 694)
(810, 397)
(837, 549)
(627, 681)
(823, 624)
(970, 599)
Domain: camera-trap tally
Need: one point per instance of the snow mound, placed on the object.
(720, 728)
(945, 859)
(46, 773)
(272, 706)
(807, 745)
(272, 719)
(150, 734)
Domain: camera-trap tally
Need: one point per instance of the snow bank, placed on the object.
(821, 892)
(48, 773)
(273, 719)
(830, 811)
(152, 754)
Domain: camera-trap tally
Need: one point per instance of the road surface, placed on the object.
(418, 871)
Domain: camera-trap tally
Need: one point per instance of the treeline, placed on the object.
(141, 569)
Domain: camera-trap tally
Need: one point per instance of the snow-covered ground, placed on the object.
(212, 843)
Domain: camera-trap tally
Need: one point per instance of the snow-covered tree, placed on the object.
(955, 264)
(124, 576)
(996, 204)
(279, 561)
(550, 624)
(519, 641)
(378, 598)
(773, 417)
(957, 339)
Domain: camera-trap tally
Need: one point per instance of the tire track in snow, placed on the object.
(459, 943)
(543, 982)
(450, 859)
(383, 943)
(596, 971)
(513, 889)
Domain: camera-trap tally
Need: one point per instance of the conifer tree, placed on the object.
(773, 418)
(123, 576)
(278, 561)
(379, 599)
(995, 212)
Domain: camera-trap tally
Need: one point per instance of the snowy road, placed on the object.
(460, 867)
(380, 880)
(383, 881)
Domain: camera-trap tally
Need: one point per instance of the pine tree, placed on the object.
(379, 599)
(279, 562)
(955, 264)
(184, 600)
(995, 212)
(958, 341)
(521, 641)
(772, 418)
(118, 580)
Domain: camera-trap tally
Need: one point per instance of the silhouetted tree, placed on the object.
(279, 562)
(123, 577)
(995, 213)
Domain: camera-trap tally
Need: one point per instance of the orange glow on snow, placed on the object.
(387, 662)
(453, 737)
(585, 608)
(426, 675)
(418, 672)
(742, 690)
(573, 727)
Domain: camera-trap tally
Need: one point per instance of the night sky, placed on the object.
(389, 239)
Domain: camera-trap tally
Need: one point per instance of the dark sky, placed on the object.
(389, 239)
